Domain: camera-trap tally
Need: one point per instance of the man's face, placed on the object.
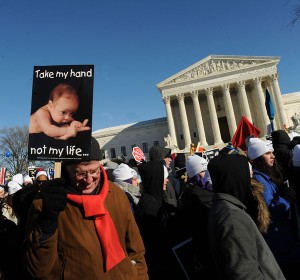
(85, 176)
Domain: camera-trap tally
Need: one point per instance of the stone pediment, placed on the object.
(214, 65)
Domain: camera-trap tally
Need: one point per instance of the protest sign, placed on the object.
(61, 113)
(138, 154)
(208, 155)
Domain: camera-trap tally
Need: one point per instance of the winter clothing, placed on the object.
(196, 203)
(272, 197)
(283, 151)
(237, 246)
(27, 180)
(39, 173)
(13, 187)
(296, 156)
(124, 172)
(74, 251)
(18, 178)
(258, 147)
(159, 153)
(280, 236)
(133, 193)
(195, 164)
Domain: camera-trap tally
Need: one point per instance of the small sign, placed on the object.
(32, 171)
(138, 154)
(208, 155)
(50, 173)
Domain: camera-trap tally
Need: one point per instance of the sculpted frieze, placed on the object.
(214, 66)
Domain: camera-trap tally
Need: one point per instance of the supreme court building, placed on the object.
(206, 101)
(204, 104)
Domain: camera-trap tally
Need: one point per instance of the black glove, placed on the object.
(288, 193)
(54, 196)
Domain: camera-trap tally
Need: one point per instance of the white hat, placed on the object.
(18, 178)
(13, 187)
(123, 172)
(296, 156)
(28, 179)
(41, 172)
(257, 148)
(195, 164)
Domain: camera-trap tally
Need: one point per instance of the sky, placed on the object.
(134, 45)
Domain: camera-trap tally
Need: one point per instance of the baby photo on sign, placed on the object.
(61, 112)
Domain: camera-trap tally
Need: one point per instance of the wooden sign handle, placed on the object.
(57, 169)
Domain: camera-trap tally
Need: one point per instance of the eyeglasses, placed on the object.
(84, 174)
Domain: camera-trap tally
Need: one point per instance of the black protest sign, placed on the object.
(208, 155)
(61, 113)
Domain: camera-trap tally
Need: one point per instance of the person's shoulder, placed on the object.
(114, 189)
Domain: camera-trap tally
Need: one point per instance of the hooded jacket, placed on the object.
(158, 153)
(283, 151)
(238, 248)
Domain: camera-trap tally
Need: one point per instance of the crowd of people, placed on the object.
(175, 216)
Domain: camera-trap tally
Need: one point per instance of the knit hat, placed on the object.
(95, 153)
(296, 156)
(257, 148)
(28, 179)
(18, 178)
(13, 187)
(195, 164)
(40, 172)
(124, 172)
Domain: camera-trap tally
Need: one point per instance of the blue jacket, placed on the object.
(276, 204)
(280, 236)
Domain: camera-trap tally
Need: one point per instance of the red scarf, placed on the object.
(93, 206)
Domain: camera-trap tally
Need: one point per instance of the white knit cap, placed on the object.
(18, 178)
(195, 164)
(13, 187)
(124, 172)
(41, 172)
(296, 156)
(257, 148)
(27, 179)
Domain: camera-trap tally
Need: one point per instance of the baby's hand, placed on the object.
(76, 124)
(82, 126)
(71, 131)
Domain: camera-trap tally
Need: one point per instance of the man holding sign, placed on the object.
(82, 227)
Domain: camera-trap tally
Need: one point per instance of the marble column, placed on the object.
(261, 102)
(213, 117)
(170, 119)
(244, 100)
(277, 96)
(184, 121)
(229, 109)
(199, 120)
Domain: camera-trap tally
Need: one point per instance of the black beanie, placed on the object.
(95, 150)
